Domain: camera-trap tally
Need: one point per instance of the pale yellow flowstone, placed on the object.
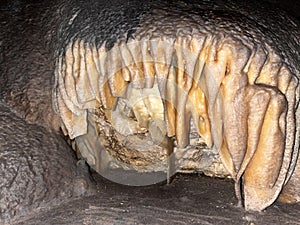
(192, 103)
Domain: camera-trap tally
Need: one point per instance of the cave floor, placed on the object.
(189, 199)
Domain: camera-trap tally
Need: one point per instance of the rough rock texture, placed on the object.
(230, 66)
(26, 61)
(190, 199)
(37, 168)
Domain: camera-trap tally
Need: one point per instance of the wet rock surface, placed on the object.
(190, 199)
